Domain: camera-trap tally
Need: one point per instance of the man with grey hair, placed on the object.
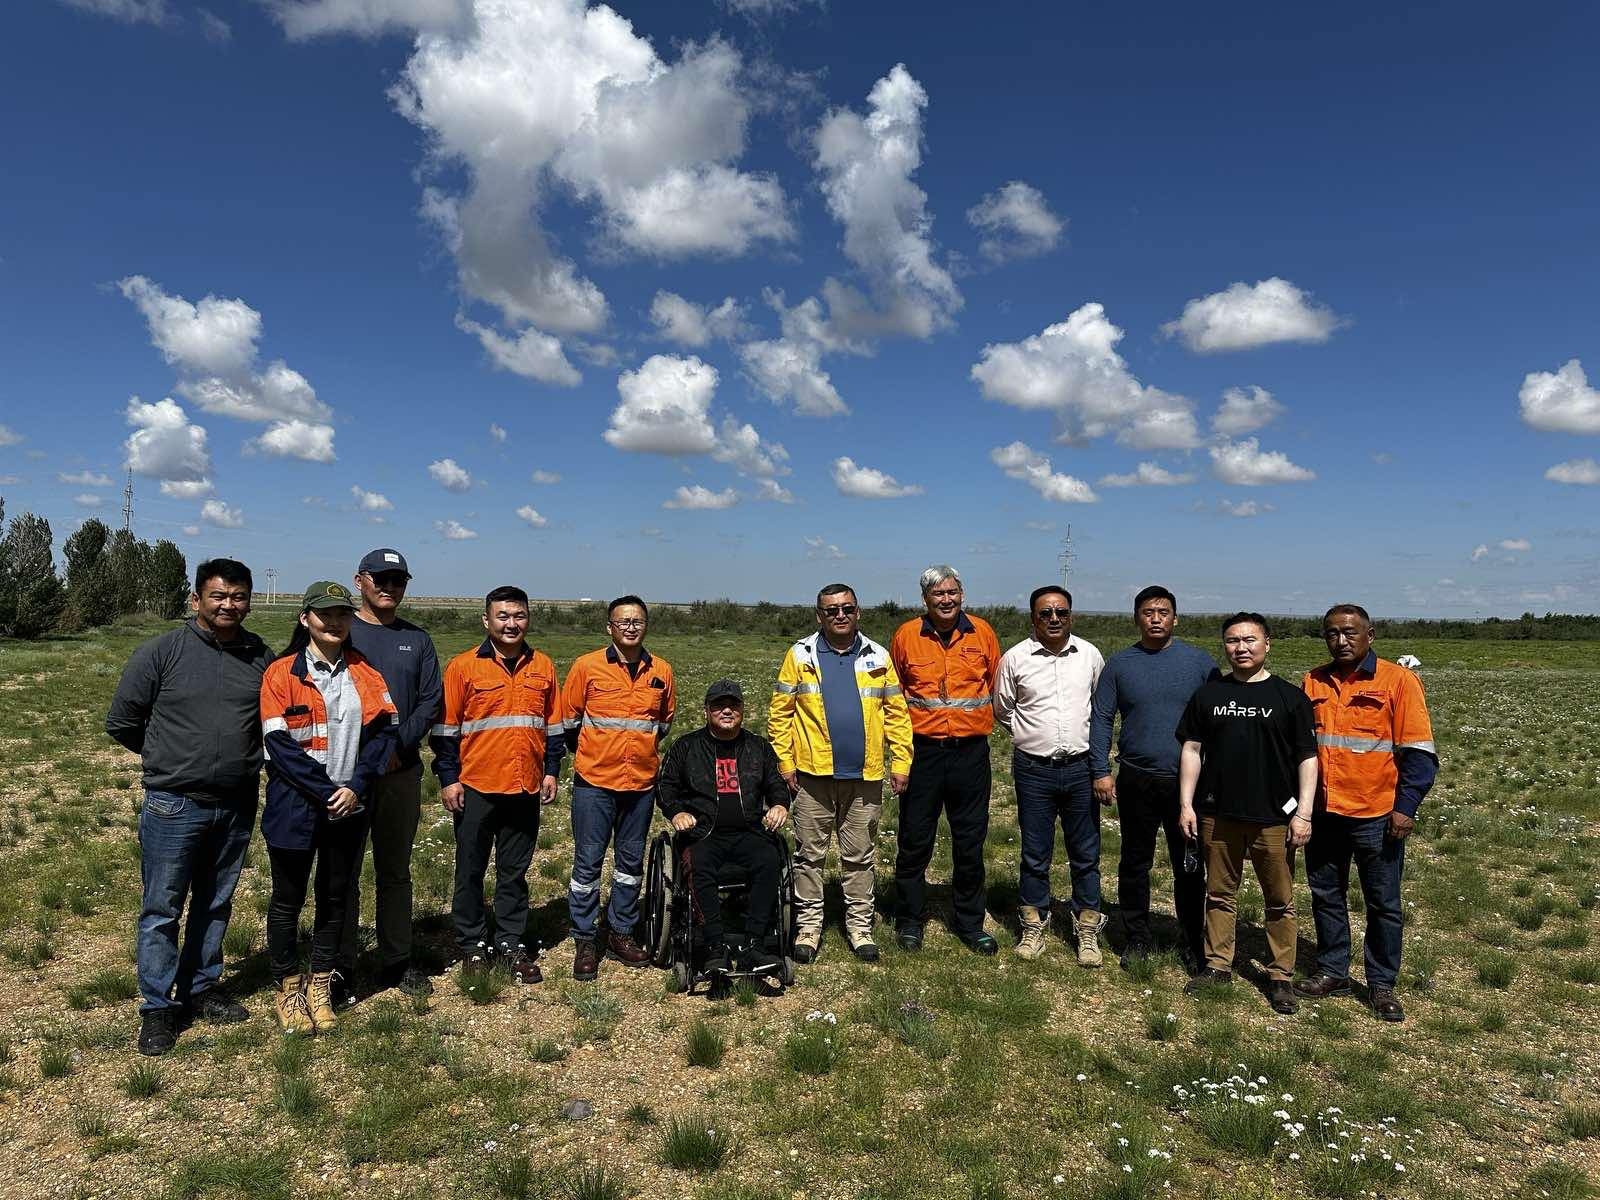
(947, 660)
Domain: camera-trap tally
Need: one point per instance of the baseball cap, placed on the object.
(325, 593)
(725, 687)
(383, 559)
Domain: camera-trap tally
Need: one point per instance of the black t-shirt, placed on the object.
(1253, 737)
(730, 806)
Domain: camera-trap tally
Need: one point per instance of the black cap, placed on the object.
(725, 687)
(383, 559)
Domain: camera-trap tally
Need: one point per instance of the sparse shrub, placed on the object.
(1580, 1120)
(1496, 970)
(1160, 1026)
(142, 1081)
(693, 1142)
(55, 1062)
(704, 1046)
(815, 1047)
(547, 1051)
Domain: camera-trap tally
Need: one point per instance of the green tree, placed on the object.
(34, 598)
(127, 563)
(91, 591)
(166, 580)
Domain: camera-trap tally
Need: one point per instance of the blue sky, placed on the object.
(874, 288)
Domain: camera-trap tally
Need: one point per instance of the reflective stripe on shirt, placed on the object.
(953, 702)
(1356, 745)
(445, 731)
(517, 722)
(629, 723)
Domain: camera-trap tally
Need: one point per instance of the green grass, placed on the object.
(1580, 1120)
(142, 1081)
(258, 1175)
(55, 1062)
(1496, 970)
(696, 1141)
(814, 1048)
(110, 986)
(704, 1046)
(296, 1098)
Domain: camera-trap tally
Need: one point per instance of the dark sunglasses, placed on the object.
(722, 702)
(1044, 614)
(834, 610)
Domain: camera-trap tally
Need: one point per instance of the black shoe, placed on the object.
(1386, 1004)
(1207, 978)
(340, 992)
(411, 981)
(909, 937)
(1281, 996)
(158, 1032)
(866, 950)
(216, 1009)
(719, 963)
(1320, 987)
(980, 943)
(1134, 952)
(757, 960)
(805, 952)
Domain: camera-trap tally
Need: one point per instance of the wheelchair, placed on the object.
(671, 927)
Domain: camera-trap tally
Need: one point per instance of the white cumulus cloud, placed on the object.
(214, 336)
(1515, 544)
(822, 548)
(450, 475)
(1480, 551)
(87, 500)
(1243, 508)
(455, 531)
(1016, 222)
(545, 477)
(304, 440)
(531, 353)
(368, 18)
(164, 445)
(665, 407)
(786, 370)
(868, 483)
(741, 447)
(133, 12)
(187, 489)
(223, 516)
(1073, 369)
(1245, 464)
(1019, 461)
(771, 489)
(531, 515)
(697, 497)
(84, 479)
(1562, 402)
(1146, 474)
(1247, 315)
(1575, 470)
(497, 433)
(1245, 410)
(371, 502)
(695, 325)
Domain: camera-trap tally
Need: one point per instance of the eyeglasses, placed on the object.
(834, 610)
(722, 702)
(1047, 614)
(388, 579)
(630, 623)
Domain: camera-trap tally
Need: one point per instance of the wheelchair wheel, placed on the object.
(786, 972)
(659, 875)
(680, 977)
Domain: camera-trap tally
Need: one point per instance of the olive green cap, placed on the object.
(327, 594)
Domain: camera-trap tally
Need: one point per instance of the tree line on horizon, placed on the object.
(110, 574)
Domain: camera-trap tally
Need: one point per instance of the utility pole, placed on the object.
(1067, 555)
(272, 583)
(127, 503)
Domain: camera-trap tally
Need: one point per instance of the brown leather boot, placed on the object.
(626, 951)
(585, 959)
(290, 1004)
(1088, 924)
(319, 999)
(1034, 924)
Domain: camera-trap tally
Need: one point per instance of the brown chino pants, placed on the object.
(848, 809)
(1228, 843)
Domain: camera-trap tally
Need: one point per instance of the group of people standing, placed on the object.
(1226, 767)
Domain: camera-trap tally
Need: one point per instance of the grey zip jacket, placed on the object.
(190, 706)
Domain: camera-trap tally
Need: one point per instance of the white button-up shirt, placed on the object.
(1044, 698)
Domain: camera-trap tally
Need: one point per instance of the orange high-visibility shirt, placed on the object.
(500, 719)
(1361, 722)
(949, 690)
(618, 719)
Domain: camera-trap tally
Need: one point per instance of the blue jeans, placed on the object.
(188, 851)
(1380, 860)
(1063, 791)
(602, 817)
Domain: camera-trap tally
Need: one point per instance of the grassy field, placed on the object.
(939, 1075)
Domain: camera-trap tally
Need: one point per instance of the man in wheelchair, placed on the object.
(721, 788)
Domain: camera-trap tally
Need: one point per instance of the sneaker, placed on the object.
(807, 947)
(1034, 924)
(1089, 923)
(585, 959)
(980, 943)
(158, 1032)
(521, 965)
(626, 951)
(1207, 978)
(866, 950)
(1320, 987)
(319, 999)
(216, 1009)
(290, 1006)
(1281, 996)
(1386, 1004)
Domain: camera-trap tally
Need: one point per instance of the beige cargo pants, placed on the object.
(825, 808)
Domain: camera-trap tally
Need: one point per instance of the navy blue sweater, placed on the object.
(405, 657)
(1149, 689)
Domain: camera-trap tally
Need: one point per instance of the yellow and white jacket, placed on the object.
(798, 727)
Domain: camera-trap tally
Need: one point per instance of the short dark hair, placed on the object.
(1154, 592)
(620, 601)
(1246, 618)
(1045, 591)
(1352, 610)
(506, 594)
(228, 570)
(833, 589)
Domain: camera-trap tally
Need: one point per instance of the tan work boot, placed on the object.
(319, 999)
(290, 1003)
(1088, 924)
(1035, 922)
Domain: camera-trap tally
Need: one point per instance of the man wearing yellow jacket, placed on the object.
(837, 699)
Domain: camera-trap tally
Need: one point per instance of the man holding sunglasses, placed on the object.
(620, 703)
(836, 700)
(1043, 696)
(405, 657)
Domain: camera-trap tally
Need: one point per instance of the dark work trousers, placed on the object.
(1147, 805)
(1047, 793)
(395, 805)
(750, 849)
(335, 857)
(952, 775)
(1380, 860)
(509, 825)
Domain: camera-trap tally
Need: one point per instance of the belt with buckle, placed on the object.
(1051, 760)
(923, 739)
